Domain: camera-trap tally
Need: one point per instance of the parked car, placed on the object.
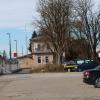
(81, 61)
(92, 76)
(86, 66)
(70, 66)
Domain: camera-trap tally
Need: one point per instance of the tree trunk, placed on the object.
(58, 59)
(94, 53)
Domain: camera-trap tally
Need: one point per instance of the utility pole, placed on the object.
(10, 51)
(22, 50)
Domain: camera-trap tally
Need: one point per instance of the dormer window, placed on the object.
(48, 47)
(39, 47)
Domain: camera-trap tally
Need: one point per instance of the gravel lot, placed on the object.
(47, 86)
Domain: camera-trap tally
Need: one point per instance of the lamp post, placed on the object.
(9, 50)
(22, 50)
(16, 52)
(16, 48)
(26, 45)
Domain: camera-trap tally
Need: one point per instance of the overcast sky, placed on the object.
(16, 17)
(16, 13)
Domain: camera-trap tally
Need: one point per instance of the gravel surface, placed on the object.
(47, 86)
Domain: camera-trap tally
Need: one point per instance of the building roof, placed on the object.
(39, 38)
(25, 56)
(49, 53)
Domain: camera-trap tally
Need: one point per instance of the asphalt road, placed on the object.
(47, 86)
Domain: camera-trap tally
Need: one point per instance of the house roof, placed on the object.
(49, 53)
(39, 38)
(25, 56)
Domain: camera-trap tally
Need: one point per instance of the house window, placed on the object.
(39, 47)
(39, 59)
(46, 60)
(48, 47)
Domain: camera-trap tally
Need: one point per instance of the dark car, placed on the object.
(89, 65)
(92, 76)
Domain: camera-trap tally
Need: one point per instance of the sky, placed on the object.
(16, 17)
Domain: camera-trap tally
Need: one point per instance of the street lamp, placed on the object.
(16, 52)
(16, 48)
(9, 49)
(26, 45)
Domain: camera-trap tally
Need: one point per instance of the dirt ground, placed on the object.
(47, 86)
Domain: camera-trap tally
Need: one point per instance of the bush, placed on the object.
(54, 68)
(49, 68)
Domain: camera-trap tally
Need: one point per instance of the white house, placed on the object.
(41, 51)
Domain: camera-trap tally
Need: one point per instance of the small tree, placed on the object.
(4, 54)
(33, 36)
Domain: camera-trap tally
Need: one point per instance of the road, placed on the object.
(47, 86)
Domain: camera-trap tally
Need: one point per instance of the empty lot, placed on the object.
(47, 86)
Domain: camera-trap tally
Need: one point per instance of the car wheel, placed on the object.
(97, 83)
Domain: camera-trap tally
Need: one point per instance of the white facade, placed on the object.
(41, 53)
(43, 59)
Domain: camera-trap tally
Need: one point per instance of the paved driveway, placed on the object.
(47, 86)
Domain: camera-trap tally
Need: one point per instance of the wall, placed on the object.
(35, 57)
(25, 63)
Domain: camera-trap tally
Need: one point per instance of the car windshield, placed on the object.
(98, 67)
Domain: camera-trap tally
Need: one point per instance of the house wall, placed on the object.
(41, 52)
(35, 46)
(43, 59)
(25, 63)
(44, 48)
(33, 63)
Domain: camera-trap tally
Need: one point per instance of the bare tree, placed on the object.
(90, 23)
(55, 23)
